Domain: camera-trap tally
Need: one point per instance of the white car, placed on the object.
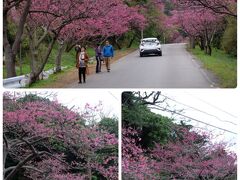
(150, 46)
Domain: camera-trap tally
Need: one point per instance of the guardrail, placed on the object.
(23, 81)
(14, 82)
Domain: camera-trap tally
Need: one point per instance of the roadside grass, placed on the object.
(224, 66)
(52, 78)
(69, 59)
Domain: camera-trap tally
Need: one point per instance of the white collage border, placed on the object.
(119, 91)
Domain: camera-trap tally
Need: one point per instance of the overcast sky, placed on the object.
(218, 108)
(111, 100)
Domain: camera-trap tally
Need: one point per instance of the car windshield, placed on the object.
(150, 42)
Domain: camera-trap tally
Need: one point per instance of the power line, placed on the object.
(199, 110)
(191, 118)
(113, 95)
(209, 104)
(157, 107)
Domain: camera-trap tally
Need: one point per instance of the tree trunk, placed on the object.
(208, 49)
(69, 46)
(89, 169)
(192, 42)
(116, 42)
(33, 64)
(10, 62)
(201, 45)
(11, 52)
(59, 57)
(8, 54)
(19, 166)
(5, 151)
(131, 42)
(37, 64)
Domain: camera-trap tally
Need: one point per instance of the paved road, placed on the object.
(175, 69)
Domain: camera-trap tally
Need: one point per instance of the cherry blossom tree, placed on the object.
(225, 7)
(188, 154)
(135, 163)
(52, 17)
(40, 133)
(11, 50)
(192, 155)
(182, 152)
(116, 20)
(198, 24)
(64, 21)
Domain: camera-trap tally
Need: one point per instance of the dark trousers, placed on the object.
(98, 65)
(82, 71)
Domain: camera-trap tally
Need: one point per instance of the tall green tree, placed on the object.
(109, 124)
(136, 114)
(229, 40)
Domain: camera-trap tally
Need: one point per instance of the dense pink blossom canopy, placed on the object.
(46, 121)
(189, 155)
(76, 19)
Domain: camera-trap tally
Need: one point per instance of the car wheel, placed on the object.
(141, 54)
(160, 54)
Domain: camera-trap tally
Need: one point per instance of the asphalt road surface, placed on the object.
(175, 69)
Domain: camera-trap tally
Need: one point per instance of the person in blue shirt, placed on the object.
(108, 53)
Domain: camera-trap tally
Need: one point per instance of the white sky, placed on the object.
(111, 100)
(77, 99)
(220, 103)
(223, 104)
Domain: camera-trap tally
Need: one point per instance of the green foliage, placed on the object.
(11, 32)
(52, 78)
(217, 40)
(224, 66)
(168, 7)
(110, 125)
(94, 178)
(32, 98)
(154, 127)
(229, 39)
(135, 2)
(57, 145)
(153, 17)
(68, 60)
(11, 105)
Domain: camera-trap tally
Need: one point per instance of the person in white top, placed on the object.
(82, 60)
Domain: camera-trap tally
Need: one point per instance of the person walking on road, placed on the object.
(81, 64)
(108, 53)
(98, 53)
